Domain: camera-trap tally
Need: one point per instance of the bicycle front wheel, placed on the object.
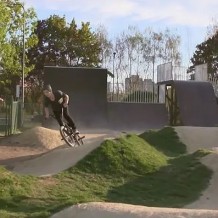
(67, 137)
(78, 140)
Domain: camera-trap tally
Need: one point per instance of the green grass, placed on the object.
(151, 169)
(165, 140)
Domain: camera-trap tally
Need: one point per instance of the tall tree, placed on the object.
(212, 29)
(87, 48)
(207, 52)
(63, 44)
(13, 17)
(50, 48)
(137, 53)
(106, 46)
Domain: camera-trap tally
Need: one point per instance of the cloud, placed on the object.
(104, 8)
(176, 12)
(191, 13)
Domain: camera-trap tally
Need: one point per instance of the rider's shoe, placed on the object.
(75, 131)
(62, 127)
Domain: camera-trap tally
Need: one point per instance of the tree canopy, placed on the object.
(13, 18)
(207, 52)
(62, 44)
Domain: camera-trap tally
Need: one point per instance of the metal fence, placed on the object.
(3, 118)
(14, 118)
(135, 92)
(214, 82)
(10, 117)
(136, 89)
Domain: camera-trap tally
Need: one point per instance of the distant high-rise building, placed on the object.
(134, 83)
(148, 85)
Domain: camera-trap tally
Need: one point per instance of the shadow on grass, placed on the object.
(22, 204)
(176, 185)
(32, 207)
(165, 140)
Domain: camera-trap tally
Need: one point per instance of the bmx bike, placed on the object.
(73, 139)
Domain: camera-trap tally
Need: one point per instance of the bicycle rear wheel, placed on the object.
(68, 137)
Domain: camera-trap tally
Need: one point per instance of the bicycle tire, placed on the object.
(78, 139)
(68, 137)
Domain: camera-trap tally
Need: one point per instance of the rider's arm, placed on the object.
(66, 100)
(46, 109)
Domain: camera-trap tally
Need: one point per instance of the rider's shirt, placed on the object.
(57, 104)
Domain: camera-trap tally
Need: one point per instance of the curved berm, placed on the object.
(197, 103)
(112, 210)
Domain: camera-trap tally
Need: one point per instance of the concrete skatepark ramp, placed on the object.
(191, 103)
(118, 210)
(197, 103)
(57, 160)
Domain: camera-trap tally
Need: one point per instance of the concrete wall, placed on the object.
(137, 115)
(87, 88)
(197, 103)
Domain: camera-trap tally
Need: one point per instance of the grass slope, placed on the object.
(151, 169)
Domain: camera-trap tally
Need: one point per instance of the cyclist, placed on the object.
(58, 101)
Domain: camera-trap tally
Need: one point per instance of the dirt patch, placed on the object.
(37, 137)
(28, 145)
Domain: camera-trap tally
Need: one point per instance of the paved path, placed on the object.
(59, 159)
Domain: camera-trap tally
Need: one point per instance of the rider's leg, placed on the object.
(68, 118)
(58, 116)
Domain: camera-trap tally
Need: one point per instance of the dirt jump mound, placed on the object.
(37, 137)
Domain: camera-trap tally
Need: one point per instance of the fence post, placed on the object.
(14, 116)
(19, 118)
(10, 115)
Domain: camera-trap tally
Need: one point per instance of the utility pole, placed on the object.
(114, 54)
(23, 54)
(23, 59)
(153, 60)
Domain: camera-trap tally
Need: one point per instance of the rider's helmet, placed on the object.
(47, 87)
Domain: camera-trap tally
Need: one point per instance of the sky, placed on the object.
(187, 18)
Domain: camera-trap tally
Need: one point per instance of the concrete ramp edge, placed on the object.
(118, 210)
